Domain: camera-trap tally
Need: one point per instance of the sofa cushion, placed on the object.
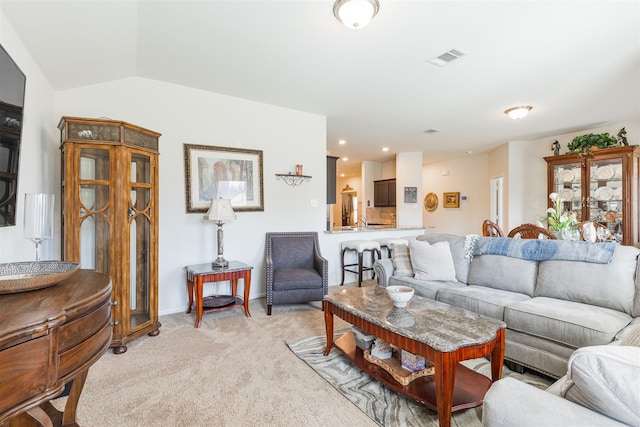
(401, 261)
(503, 272)
(606, 285)
(570, 323)
(605, 379)
(479, 299)
(456, 244)
(431, 262)
(424, 288)
(296, 278)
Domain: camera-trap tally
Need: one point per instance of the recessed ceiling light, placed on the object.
(516, 113)
(344, 159)
(469, 152)
(341, 175)
(342, 142)
(385, 149)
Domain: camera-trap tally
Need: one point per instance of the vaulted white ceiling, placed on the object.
(576, 62)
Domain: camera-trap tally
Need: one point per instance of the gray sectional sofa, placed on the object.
(552, 306)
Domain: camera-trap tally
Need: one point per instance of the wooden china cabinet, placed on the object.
(110, 216)
(600, 185)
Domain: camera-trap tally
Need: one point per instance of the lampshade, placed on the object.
(220, 211)
(516, 113)
(355, 13)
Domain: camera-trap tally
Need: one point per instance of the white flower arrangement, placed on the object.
(557, 219)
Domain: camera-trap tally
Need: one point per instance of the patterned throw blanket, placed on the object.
(539, 249)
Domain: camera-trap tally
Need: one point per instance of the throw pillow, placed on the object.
(602, 378)
(632, 338)
(432, 262)
(401, 261)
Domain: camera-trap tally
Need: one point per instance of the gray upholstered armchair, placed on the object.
(296, 270)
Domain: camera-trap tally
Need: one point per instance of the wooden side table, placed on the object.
(199, 274)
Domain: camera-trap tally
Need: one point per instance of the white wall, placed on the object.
(39, 158)
(371, 171)
(499, 168)
(467, 175)
(524, 169)
(185, 115)
(408, 174)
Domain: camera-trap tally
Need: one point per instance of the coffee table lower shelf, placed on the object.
(470, 386)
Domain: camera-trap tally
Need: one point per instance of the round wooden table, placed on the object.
(49, 337)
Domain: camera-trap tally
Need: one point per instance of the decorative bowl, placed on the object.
(29, 276)
(400, 295)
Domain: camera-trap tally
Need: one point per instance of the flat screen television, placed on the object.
(12, 85)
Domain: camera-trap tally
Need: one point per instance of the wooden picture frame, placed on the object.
(230, 173)
(451, 200)
(431, 202)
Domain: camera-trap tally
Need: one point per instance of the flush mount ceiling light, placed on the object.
(516, 113)
(355, 13)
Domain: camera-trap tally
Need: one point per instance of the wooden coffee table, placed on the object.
(437, 331)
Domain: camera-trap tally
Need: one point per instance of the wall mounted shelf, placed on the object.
(291, 179)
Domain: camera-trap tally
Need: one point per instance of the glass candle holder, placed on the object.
(38, 218)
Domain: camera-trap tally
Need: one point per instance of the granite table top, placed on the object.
(443, 327)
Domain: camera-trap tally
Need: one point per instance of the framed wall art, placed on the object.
(411, 194)
(451, 200)
(431, 202)
(230, 173)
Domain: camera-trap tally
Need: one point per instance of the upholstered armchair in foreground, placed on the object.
(600, 389)
(296, 270)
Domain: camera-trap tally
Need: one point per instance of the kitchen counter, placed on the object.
(370, 228)
(331, 244)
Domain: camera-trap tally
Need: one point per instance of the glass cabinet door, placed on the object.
(94, 209)
(568, 183)
(139, 214)
(606, 194)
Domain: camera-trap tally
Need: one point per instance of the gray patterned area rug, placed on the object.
(382, 405)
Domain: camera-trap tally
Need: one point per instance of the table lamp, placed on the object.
(220, 212)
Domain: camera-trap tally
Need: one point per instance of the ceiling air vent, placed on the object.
(447, 57)
(432, 130)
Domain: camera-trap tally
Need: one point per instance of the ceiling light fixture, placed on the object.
(516, 113)
(355, 13)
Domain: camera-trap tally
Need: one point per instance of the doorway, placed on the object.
(497, 201)
(349, 208)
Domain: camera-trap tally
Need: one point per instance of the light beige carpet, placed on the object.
(232, 371)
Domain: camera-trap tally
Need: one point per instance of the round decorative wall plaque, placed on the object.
(431, 202)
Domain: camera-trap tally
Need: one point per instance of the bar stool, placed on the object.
(386, 242)
(360, 246)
